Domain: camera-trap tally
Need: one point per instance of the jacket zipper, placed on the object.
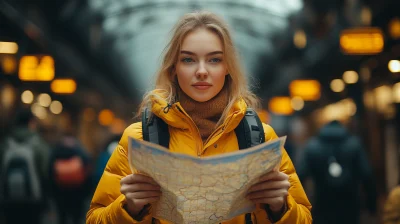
(198, 147)
(222, 126)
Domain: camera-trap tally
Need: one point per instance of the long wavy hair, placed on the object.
(235, 82)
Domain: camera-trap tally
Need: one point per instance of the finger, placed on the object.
(268, 176)
(143, 194)
(137, 178)
(266, 185)
(145, 201)
(274, 175)
(127, 188)
(267, 194)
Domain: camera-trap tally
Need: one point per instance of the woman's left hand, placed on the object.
(271, 189)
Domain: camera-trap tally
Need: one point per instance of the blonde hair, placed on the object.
(235, 82)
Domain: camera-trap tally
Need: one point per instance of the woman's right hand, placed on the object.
(139, 191)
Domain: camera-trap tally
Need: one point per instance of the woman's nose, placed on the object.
(202, 71)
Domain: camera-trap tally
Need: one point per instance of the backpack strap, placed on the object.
(250, 131)
(154, 129)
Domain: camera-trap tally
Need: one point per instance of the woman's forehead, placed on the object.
(202, 41)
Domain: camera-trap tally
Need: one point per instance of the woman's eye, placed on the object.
(215, 60)
(186, 60)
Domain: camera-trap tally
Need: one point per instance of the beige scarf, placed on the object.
(206, 114)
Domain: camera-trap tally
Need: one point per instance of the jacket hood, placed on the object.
(174, 115)
(334, 130)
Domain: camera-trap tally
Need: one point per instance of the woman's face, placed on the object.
(201, 68)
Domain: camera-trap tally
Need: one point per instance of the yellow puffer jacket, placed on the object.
(107, 203)
(391, 212)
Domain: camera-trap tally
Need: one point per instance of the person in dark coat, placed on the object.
(23, 151)
(70, 181)
(337, 164)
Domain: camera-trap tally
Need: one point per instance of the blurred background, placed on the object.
(81, 67)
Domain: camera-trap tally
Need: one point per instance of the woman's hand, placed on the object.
(139, 191)
(271, 189)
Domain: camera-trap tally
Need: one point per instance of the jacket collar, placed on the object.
(175, 116)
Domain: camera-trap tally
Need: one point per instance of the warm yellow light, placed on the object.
(27, 68)
(89, 114)
(394, 28)
(308, 90)
(384, 98)
(337, 85)
(27, 97)
(300, 39)
(56, 107)
(350, 77)
(281, 105)
(394, 66)
(341, 110)
(9, 65)
(63, 86)
(45, 70)
(362, 41)
(396, 92)
(106, 117)
(39, 111)
(30, 69)
(8, 47)
(348, 107)
(7, 96)
(297, 103)
(366, 16)
(118, 126)
(44, 100)
(369, 99)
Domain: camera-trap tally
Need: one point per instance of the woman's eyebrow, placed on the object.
(208, 54)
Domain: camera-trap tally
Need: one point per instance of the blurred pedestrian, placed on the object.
(24, 158)
(69, 171)
(337, 164)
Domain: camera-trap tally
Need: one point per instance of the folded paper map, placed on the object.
(203, 190)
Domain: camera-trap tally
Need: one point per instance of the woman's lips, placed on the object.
(202, 85)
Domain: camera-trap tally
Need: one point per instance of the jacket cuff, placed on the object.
(291, 211)
(277, 216)
(122, 216)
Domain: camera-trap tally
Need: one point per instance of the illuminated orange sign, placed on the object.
(63, 86)
(281, 105)
(308, 90)
(362, 41)
(33, 69)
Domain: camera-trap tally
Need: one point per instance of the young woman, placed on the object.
(202, 95)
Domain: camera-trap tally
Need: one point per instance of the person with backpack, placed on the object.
(23, 176)
(337, 164)
(202, 96)
(70, 179)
